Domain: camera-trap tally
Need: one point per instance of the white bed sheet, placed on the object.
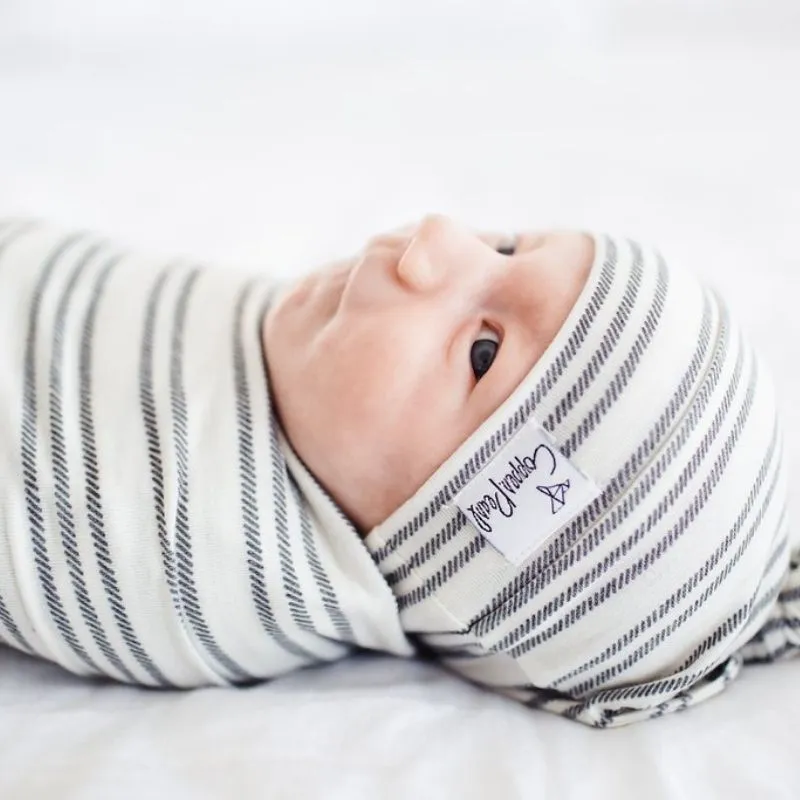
(240, 156)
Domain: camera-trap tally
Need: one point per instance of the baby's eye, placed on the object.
(483, 352)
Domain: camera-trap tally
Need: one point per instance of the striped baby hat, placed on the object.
(612, 543)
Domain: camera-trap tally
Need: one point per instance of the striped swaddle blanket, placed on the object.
(652, 556)
(151, 529)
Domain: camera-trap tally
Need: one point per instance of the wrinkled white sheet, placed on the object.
(219, 149)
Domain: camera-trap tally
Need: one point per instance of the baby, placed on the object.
(553, 463)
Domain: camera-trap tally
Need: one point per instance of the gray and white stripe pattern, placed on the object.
(153, 528)
(655, 593)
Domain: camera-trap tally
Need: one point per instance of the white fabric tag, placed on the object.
(525, 493)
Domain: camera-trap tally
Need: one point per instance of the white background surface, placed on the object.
(283, 133)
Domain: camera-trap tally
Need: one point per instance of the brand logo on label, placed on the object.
(557, 494)
(501, 498)
(525, 493)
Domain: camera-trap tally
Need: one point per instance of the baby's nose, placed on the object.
(440, 250)
(419, 268)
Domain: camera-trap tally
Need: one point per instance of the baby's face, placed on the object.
(384, 363)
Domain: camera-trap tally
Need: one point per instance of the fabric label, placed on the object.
(525, 493)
